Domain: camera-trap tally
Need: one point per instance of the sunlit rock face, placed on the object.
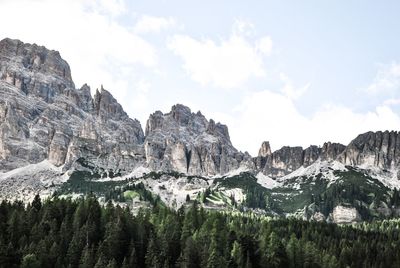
(374, 149)
(379, 150)
(189, 143)
(343, 214)
(288, 159)
(43, 116)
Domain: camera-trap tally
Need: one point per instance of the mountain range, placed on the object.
(56, 138)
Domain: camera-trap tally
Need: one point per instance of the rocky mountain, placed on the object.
(43, 116)
(187, 142)
(288, 159)
(54, 136)
(374, 149)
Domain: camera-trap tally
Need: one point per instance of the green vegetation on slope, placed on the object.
(81, 233)
(353, 188)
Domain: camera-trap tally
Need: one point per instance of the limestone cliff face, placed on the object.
(288, 159)
(369, 150)
(187, 142)
(43, 116)
(374, 149)
(34, 69)
(343, 214)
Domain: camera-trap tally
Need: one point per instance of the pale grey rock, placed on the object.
(265, 149)
(374, 149)
(187, 142)
(318, 216)
(284, 161)
(287, 159)
(34, 69)
(310, 155)
(43, 116)
(330, 151)
(342, 214)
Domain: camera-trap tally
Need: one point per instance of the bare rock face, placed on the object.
(34, 69)
(43, 116)
(283, 161)
(342, 214)
(374, 149)
(287, 159)
(331, 150)
(310, 155)
(187, 142)
(265, 149)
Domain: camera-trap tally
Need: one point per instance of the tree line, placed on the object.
(84, 233)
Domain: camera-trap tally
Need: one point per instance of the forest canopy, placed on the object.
(83, 233)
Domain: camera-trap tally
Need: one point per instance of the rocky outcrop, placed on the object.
(288, 159)
(187, 142)
(283, 161)
(34, 70)
(374, 149)
(265, 149)
(369, 150)
(342, 214)
(43, 116)
(331, 150)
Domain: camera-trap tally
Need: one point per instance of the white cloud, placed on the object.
(289, 90)
(264, 45)
(271, 116)
(141, 100)
(387, 80)
(228, 63)
(392, 102)
(243, 27)
(110, 7)
(147, 24)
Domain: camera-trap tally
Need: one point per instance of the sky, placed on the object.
(290, 72)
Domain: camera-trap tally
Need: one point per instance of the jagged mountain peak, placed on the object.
(374, 149)
(48, 119)
(187, 142)
(289, 158)
(34, 69)
(182, 116)
(107, 106)
(265, 149)
(43, 116)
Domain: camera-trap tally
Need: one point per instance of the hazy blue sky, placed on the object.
(291, 72)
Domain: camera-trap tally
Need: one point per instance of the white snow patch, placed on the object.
(389, 178)
(326, 168)
(266, 181)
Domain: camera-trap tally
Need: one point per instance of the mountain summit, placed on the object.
(52, 133)
(43, 116)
